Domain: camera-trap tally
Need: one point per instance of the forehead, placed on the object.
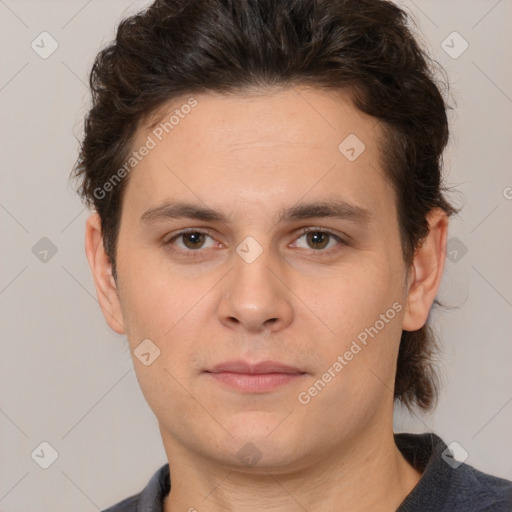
(262, 146)
(308, 116)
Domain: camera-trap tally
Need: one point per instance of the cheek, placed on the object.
(358, 352)
(152, 298)
(361, 312)
(352, 299)
(146, 308)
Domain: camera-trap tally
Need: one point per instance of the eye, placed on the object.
(320, 240)
(191, 240)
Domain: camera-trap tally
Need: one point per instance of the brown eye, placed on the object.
(317, 239)
(193, 240)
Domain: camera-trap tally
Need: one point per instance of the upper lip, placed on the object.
(254, 368)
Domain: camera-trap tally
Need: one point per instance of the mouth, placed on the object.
(254, 377)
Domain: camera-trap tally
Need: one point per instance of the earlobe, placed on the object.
(106, 287)
(426, 272)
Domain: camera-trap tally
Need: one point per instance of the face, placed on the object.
(274, 320)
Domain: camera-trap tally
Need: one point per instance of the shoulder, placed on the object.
(447, 485)
(127, 505)
(151, 498)
(480, 492)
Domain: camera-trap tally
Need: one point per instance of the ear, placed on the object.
(426, 271)
(106, 288)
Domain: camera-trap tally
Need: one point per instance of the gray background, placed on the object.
(66, 379)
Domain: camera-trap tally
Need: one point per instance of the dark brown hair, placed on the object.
(183, 47)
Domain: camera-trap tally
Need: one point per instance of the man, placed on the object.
(270, 234)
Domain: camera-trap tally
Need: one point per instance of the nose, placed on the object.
(255, 297)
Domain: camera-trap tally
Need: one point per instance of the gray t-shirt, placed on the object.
(444, 485)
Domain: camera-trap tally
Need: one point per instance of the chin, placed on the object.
(263, 440)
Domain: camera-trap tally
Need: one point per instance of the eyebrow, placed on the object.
(335, 209)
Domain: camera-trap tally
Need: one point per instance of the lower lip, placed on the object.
(255, 383)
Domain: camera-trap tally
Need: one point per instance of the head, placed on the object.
(245, 122)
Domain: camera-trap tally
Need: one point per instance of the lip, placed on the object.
(254, 377)
(262, 367)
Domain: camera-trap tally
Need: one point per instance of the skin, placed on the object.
(250, 157)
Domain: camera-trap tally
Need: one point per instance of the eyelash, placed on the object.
(197, 253)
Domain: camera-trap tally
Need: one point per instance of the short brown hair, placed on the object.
(182, 47)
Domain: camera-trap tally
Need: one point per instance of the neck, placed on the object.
(365, 474)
